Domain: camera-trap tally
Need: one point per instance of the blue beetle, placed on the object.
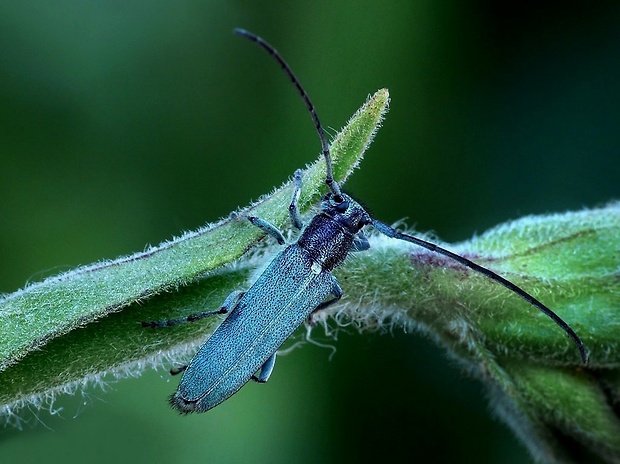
(296, 284)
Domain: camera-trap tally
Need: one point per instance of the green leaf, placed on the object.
(562, 410)
(39, 323)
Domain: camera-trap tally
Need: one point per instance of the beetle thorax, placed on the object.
(330, 235)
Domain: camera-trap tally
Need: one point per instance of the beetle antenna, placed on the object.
(393, 233)
(329, 176)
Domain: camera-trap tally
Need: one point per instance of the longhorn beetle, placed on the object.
(297, 284)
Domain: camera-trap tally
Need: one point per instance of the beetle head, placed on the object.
(346, 211)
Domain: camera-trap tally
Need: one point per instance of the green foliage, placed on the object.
(174, 278)
(562, 410)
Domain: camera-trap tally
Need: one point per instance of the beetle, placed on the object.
(294, 287)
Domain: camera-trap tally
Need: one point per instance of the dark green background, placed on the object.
(124, 123)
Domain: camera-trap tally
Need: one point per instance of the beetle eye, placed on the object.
(342, 205)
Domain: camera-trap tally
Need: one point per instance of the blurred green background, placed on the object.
(124, 123)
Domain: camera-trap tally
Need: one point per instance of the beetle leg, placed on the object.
(293, 212)
(360, 242)
(229, 303)
(268, 227)
(178, 370)
(293, 208)
(265, 370)
(336, 291)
